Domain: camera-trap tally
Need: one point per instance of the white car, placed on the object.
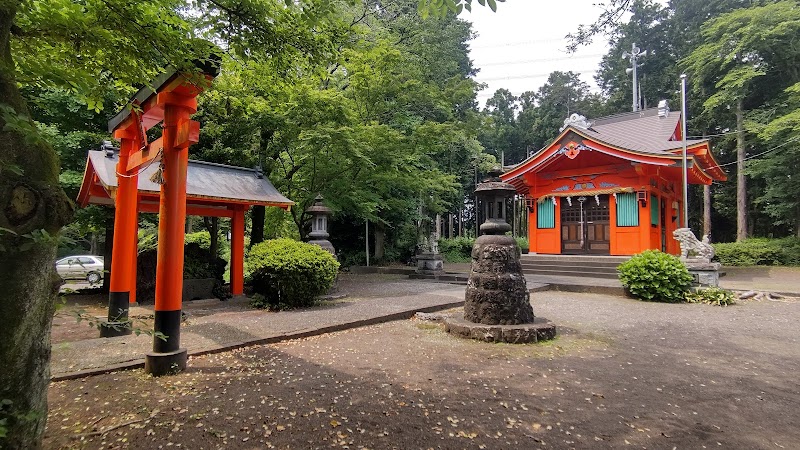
(81, 267)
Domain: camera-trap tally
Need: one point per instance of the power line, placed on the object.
(788, 141)
(712, 135)
(533, 75)
(510, 63)
(518, 43)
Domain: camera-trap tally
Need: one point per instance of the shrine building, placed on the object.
(612, 186)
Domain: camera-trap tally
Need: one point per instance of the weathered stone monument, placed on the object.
(697, 255)
(430, 261)
(497, 304)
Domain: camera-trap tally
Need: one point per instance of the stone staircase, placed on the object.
(572, 265)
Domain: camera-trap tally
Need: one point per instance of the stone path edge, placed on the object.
(139, 363)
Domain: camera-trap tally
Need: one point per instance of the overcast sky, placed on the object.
(524, 41)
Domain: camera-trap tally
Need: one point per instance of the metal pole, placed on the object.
(634, 54)
(477, 226)
(366, 240)
(683, 135)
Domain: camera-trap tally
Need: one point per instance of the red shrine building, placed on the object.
(612, 186)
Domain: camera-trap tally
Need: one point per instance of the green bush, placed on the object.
(522, 243)
(456, 250)
(759, 252)
(655, 276)
(288, 273)
(712, 296)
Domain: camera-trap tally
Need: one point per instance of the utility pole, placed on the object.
(685, 174)
(635, 53)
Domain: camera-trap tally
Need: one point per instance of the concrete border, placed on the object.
(139, 363)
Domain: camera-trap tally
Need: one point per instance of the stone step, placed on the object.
(570, 265)
(575, 258)
(561, 273)
(573, 270)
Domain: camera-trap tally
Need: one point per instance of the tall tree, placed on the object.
(779, 165)
(86, 48)
(562, 95)
(739, 57)
(500, 132)
(657, 72)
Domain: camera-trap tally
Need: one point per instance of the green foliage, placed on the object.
(711, 296)
(148, 239)
(457, 250)
(522, 243)
(441, 8)
(7, 411)
(759, 252)
(201, 238)
(289, 273)
(198, 263)
(655, 276)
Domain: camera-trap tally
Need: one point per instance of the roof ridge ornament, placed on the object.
(576, 120)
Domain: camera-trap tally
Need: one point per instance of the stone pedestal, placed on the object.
(527, 333)
(496, 291)
(706, 274)
(430, 264)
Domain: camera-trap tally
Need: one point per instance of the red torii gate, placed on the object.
(172, 103)
(171, 100)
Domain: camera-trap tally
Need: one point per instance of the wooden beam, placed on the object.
(150, 153)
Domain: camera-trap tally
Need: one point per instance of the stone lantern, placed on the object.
(497, 304)
(319, 225)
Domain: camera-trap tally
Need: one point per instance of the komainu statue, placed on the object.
(691, 247)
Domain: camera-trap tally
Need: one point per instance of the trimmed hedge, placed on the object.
(759, 252)
(286, 273)
(655, 276)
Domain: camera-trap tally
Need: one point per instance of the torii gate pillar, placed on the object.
(167, 356)
(122, 285)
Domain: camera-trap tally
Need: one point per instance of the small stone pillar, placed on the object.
(319, 225)
(497, 304)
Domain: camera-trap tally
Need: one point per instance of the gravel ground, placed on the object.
(621, 373)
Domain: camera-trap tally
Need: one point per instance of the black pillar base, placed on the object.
(114, 329)
(170, 363)
(118, 323)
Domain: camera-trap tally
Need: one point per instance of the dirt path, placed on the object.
(621, 373)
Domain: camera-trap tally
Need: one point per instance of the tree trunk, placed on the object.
(257, 228)
(31, 203)
(741, 179)
(212, 226)
(461, 221)
(93, 243)
(450, 226)
(707, 211)
(380, 240)
(108, 249)
(797, 221)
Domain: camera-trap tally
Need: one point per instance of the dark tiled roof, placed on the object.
(641, 131)
(204, 180)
